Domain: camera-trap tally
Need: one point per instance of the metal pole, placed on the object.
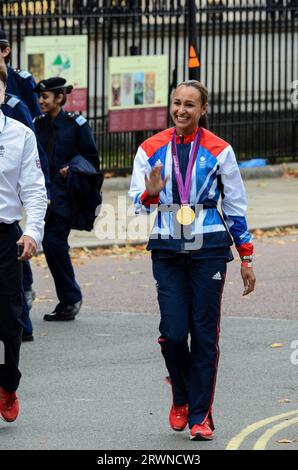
(193, 61)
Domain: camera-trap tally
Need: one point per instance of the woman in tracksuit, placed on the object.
(182, 171)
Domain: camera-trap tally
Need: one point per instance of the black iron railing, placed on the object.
(248, 51)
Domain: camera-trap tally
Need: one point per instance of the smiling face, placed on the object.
(187, 109)
(50, 103)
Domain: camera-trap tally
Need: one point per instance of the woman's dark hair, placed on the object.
(63, 91)
(3, 74)
(7, 58)
(203, 122)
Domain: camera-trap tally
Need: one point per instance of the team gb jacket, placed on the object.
(215, 173)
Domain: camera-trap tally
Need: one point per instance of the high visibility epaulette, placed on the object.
(78, 118)
(22, 73)
(11, 101)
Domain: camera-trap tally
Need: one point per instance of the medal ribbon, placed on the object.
(184, 188)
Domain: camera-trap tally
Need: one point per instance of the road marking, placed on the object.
(263, 440)
(236, 441)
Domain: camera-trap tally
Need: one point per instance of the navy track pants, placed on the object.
(56, 250)
(189, 296)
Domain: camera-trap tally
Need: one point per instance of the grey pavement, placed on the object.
(98, 382)
(272, 202)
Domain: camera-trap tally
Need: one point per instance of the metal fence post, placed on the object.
(193, 62)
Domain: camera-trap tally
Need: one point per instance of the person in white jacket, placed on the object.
(22, 186)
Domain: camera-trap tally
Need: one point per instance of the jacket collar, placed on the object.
(187, 138)
(57, 118)
(2, 121)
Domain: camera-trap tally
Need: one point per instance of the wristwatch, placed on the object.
(246, 258)
(247, 264)
(246, 261)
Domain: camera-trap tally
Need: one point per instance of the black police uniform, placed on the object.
(15, 108)
(21, 83)
(63, 138)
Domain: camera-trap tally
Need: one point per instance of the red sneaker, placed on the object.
(202, 432)
(178, 417)
(9, 405)
(178, 414)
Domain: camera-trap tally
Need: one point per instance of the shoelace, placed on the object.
(205, 426)
(180, 411)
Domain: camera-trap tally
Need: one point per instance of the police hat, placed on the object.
(53, 84)
(3, 39)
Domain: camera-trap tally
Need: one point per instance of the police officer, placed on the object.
(64, 136)
(21, 185)
(20, 82)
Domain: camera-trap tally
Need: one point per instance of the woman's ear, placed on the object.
(205, 109)
(6, 52)
(59, 98)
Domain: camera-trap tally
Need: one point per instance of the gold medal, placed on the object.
(185, 215)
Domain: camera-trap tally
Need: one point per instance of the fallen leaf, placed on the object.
(285, 441)
(276, 232)
(43, 299)
(291, 172)
(258, 233)
(284, 400)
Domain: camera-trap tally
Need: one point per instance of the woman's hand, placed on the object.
(249, 279)
(154, 182)
(64, 172)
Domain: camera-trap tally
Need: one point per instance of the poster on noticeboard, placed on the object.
(138, 93)
(60, 56)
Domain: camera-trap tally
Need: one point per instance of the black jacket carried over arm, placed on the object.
(69, 142)
(84, 189)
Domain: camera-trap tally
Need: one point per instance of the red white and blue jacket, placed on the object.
(215, 173)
